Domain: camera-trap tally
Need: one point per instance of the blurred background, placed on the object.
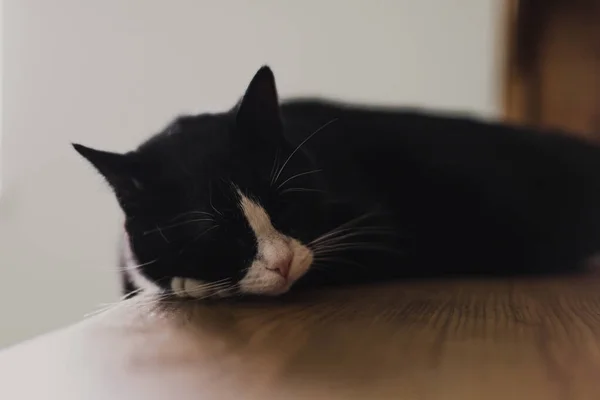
(110, 73)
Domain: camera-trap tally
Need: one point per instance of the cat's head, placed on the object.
(218, 204)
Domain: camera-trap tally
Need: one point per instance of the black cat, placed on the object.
(268, 196)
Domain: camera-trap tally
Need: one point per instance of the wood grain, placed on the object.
(526, 339)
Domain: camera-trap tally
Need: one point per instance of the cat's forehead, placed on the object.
(204, 133)
(208, 147)
(190, 145)
(195, 161)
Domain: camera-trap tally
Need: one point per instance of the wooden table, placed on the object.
(527, 339)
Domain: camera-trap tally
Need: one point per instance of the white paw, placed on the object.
(194, 288)
(187, 287)
(177, 287)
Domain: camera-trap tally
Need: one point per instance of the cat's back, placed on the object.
(434, 138)
(458, 180)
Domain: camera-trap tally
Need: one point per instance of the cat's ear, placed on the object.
(259, 108)
(118, 170)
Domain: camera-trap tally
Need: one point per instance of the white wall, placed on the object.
(109, 73)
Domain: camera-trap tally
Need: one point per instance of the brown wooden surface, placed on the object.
(527, 339)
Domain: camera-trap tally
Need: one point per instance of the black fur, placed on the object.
(429, 195)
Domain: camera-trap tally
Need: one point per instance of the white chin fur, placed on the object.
(132, 270)
(272, 246)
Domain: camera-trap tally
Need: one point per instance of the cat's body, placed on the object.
(264, 197)
(470, 196)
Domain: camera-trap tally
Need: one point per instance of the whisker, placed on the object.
(131, 293)
(211, 291)
(211, 288)
(319, 261)
(344, 240)
(301, 190)
(205, 232)
(213, 285)
(134, 267)
(297, 176)
(162, 234)
(342, 245)
(193, 212)
(129, 300)
(138, 301)
(210, 200)
(160, 229)
(302, 144)
(274, 167)
(100, 311)
(356, 246)
(352, 232)
(345, 225)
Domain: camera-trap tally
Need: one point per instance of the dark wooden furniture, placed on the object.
(552, 75)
